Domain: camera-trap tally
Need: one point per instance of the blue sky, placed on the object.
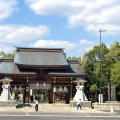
(70, 24)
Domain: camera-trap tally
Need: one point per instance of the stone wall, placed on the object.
(87, 104)
(7, 104)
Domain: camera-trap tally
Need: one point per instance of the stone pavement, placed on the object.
(47, 109)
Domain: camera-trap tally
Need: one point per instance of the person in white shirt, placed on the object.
(79, 104)
(36, 106)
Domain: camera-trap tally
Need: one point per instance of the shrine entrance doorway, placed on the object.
(40, 91)
(43, 95)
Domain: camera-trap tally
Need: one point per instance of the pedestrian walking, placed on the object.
(79, 104)
(36, 105)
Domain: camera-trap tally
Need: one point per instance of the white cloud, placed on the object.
(61, 7)
(85, 42)
(86, 13)
(54, 44)
(111, 29)
(6, 48)
(86, 45)
(7, 7)
(21, 33)
(71, 49)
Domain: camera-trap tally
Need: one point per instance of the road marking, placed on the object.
(26, 112)
(67, 116)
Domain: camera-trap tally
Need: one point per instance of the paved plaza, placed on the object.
(48, 110)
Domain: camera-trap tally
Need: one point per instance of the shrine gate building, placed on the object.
(44, 72)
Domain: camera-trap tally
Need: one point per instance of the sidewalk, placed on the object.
(28, 109)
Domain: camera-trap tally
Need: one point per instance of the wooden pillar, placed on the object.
(51, 95)
(26, 93)
(71, 90)
(54, 89)
(68, 95)
(52, 92)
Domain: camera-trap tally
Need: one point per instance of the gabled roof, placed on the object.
(75, 66)
(40, 57)
(74, 70)
(7, 66)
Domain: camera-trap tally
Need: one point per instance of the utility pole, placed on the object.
(100, 96)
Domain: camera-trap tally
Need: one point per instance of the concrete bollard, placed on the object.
(112, 109)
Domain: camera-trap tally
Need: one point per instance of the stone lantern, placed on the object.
(6, 95)
(80, 95)
(80, 91)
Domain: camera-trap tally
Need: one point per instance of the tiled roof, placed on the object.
(40, 57)
(7, 66)
(74, 70)
(75, 66)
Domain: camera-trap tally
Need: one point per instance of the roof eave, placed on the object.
(18, 73)
(43, 66)
(67, 74)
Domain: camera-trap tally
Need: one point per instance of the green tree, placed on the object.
(110, 65)
(93, 88)
(112, 62)
(6, 55)
(74, 58)
(91, 65)
(115, 74)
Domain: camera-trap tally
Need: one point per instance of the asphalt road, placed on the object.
(76, 114)
(117, 112)
(58, 112)
(55, 117)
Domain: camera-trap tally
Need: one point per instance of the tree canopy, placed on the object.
(110, 60)
(114, 54)
(6, 55)
(115, 73)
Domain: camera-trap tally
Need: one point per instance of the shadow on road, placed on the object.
(23, 105)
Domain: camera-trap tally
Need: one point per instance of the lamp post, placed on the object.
(100, 64)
